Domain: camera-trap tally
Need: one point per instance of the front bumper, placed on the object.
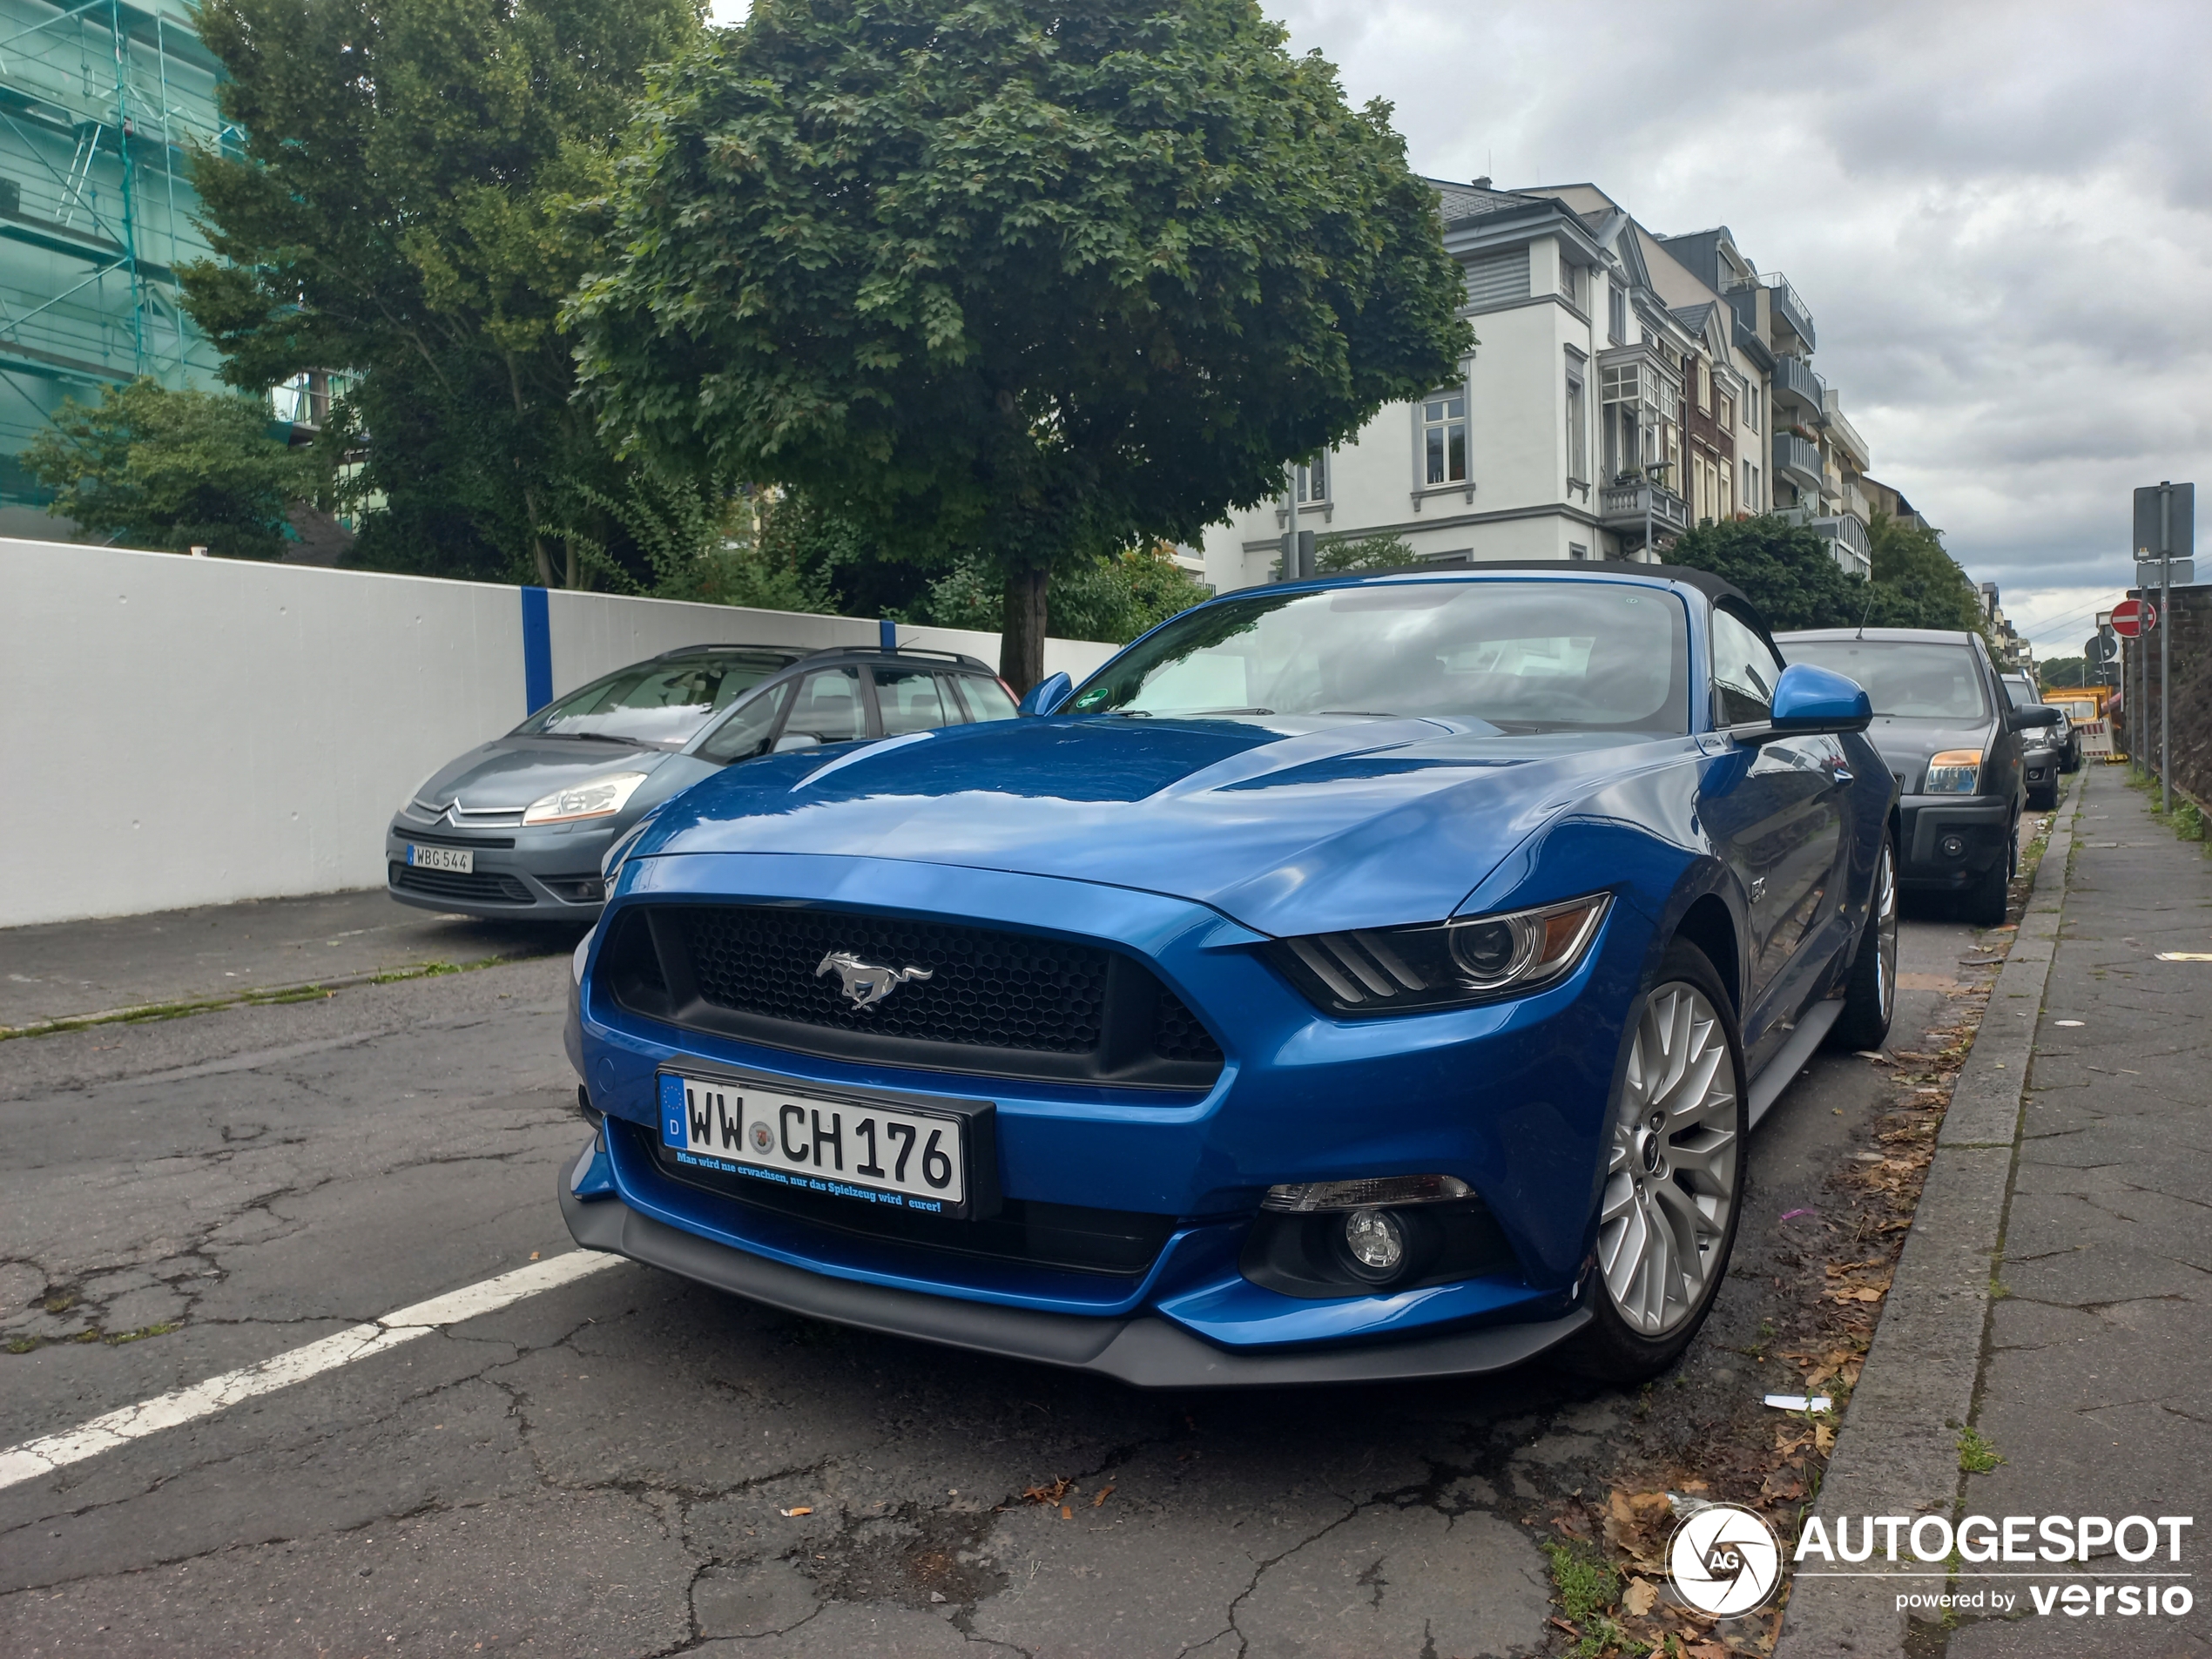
(544, 875)
(1511, 1097)
(1981, 826)
(1142, 1350)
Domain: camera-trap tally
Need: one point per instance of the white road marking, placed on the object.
(35, 1458)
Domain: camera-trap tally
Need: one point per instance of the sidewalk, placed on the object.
(74, 969)
(2055, 1294)
(2097, 1386)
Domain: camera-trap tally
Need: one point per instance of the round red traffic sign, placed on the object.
(2132, 617)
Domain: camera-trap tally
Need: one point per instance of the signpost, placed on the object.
(2166, 535)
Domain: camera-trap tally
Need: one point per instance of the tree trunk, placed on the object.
(1022, 642)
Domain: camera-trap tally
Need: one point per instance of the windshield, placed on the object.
(662, 703)
(1902, 678)
(1524, 655)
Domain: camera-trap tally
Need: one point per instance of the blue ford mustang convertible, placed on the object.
(1375, 977)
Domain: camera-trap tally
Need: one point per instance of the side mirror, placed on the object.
(2034, 715)
(791, 740)
(1047, 695)
(1809, 699)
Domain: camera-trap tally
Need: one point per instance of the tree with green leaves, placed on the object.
(1113, 600)
(1784, 569)
(414, 205)
(1917, 584)
(158, 468)
(1029, 282)
(2061, 673)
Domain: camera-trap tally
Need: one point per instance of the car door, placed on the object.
(828, 709)
(1777, 817)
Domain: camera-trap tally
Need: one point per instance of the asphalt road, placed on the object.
(606, 1467)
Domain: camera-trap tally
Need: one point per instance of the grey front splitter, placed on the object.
(1145, 1351)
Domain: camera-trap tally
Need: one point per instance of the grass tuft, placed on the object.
(1976, 1455)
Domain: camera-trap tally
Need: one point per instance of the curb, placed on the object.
(1898, 1451)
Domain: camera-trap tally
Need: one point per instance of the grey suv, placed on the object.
(1952, 738)
(517, 827)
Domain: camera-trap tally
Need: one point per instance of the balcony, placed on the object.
(1796, 389)
(1798, 460)
(1845, 534)
(1621, 507)
(1788, 308)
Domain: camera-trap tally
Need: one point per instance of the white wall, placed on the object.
(178, 731)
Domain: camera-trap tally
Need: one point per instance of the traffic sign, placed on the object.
(2131, 618)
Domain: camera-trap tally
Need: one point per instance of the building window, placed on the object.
(1313, 478)
(1704, 388)
(1570, 278)
(1727, 414)
(1616, 314)
(1443, 437)
(1578, 430)
(1725, 478)
(1577, 551)
(1751, 412)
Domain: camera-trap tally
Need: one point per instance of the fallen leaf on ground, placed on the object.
(1049, 1492)
(1104, 1493)
(1637, 1599)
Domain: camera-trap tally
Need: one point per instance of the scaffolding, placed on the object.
(100, 105)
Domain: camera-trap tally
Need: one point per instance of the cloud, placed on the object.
(2000, 216)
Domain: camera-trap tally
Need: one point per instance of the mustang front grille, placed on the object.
(908, 992)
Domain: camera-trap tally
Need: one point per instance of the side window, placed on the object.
(956, 712)
(828, 709)
(1744, 671)
(908, 699)
(744, 734)
(987, 698)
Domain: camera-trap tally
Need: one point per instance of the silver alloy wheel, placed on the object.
(1670, 1185)
(1885, 932)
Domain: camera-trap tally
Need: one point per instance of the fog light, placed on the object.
(1376, 1241)
(1954, 846)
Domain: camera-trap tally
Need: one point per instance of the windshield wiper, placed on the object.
(1371, 714)
(603, 737)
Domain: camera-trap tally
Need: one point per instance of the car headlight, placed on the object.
(1445, 964)
(1955, 772)
(594, 800)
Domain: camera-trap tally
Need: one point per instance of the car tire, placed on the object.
(2044, 800)
(1990, 896)
(2072, 763)
(1673, 1184)
(1870, 994)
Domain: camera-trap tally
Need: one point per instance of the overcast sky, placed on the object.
(2000, 215)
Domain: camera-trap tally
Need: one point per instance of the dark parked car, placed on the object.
(2047, 752)
(1374, 977)
(1951, 738)
(518, 826)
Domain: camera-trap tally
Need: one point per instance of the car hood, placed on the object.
(1906, 744)
(1288, 825)
(508, 773)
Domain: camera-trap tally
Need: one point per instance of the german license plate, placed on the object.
(881, 1154)
(460, 859)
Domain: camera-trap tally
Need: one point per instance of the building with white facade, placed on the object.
(1625, 385)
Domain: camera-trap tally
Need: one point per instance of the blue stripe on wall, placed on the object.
(538, 651)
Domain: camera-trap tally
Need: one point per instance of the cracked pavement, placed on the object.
(605, 1467)
(2091, 1386)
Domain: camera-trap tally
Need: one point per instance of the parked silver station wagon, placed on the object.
(517, 828)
